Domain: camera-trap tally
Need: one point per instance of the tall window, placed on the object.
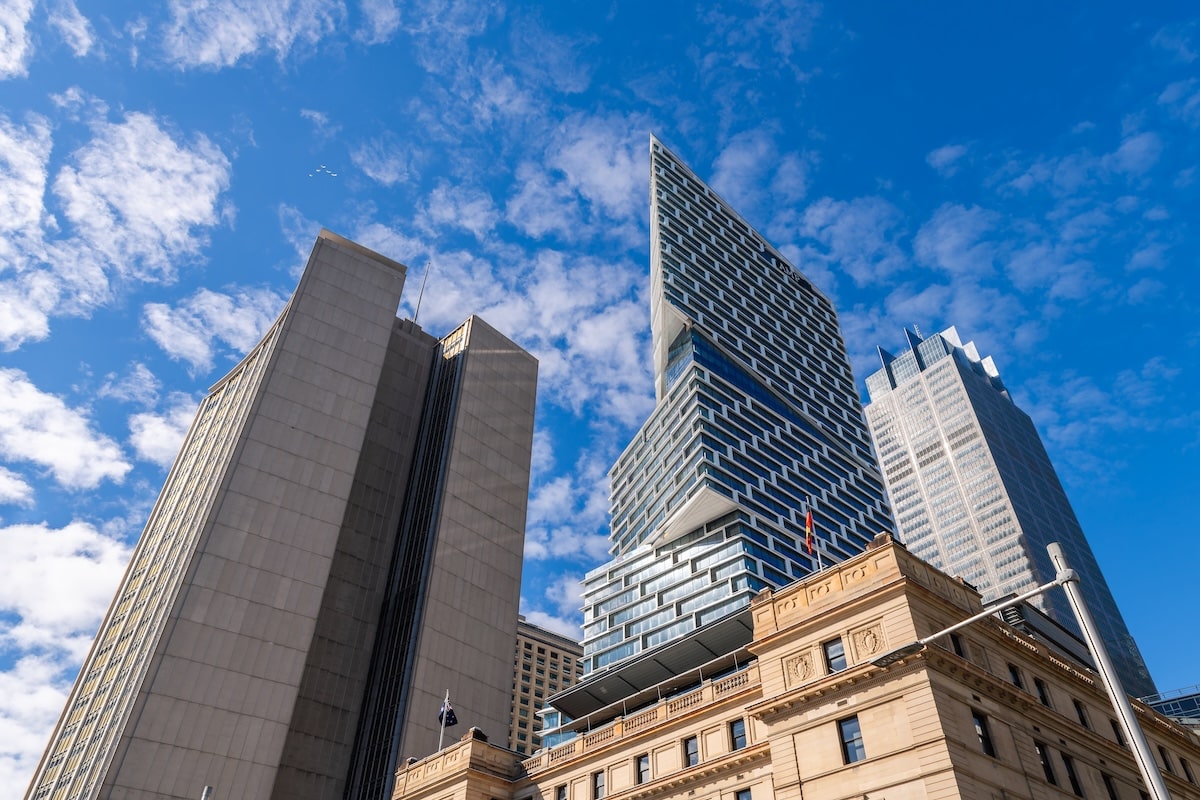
(1072, 776)
(1118, 735)
(643, 768)
(957, 643)
(835, 655)
(1187, 770)
(598, 785)
(560, 792)
(741, 794)
(1110, 786)
(1014, 674)
(737, 734)
(1081, 712)
(1047, 768)
(691, 751)
(852, 741)
(1166, 758)
(983, 732)
(1043, 692)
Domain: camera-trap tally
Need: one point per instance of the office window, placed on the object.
(643, 768)
(983, 732)
(691, 751)
(737, 734)
(741, 794)
(957, 643)
(1110, 786)
(1187, 770)
(852, 741)
(598, 785)
(1043, 692)
(1118, 735)
(560, 792)
(1014, 674)
(835, 655)
(1069, 765)
(1081, 712)
(1047, 768)
(1166, 759)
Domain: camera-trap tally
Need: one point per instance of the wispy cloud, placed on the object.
(945, 160)
(40, 428)
(192, 330)
(14, 489)
(752, 174)
(72, 26)
(16, 46)
(381, 19)
(220, 33)
(384, 159)
(859, 237)
(956, 240)
(157, 436)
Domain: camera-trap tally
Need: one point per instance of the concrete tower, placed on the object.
(974, 491)
(337, 544)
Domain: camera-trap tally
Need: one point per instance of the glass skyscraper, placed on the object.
(757, 421)
(973, 490)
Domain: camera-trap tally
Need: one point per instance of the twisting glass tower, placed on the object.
(974, 491)
(757, 421)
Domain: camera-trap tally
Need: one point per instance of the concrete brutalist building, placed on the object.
(337, 544)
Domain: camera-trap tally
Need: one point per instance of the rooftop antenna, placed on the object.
(421, 293)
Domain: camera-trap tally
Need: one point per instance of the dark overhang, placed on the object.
(710, 650)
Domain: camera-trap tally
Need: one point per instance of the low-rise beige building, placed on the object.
(544, 664)
(989, 713)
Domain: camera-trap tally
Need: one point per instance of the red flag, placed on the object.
(808, 528)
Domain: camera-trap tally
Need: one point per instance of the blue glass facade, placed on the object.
(756, 421)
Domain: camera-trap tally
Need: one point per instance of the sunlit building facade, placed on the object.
(757, 422)
(338, 542)
(545, 663)
(834, 702)
(973, 489)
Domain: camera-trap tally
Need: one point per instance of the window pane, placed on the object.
(835, 655)
(691, 751)
(985, 735)
(737, 734)
(643, 768)
(852, 741)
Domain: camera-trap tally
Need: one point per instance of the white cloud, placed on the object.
(14, 490)
(157, 437)
(73, 27)
(136, 196)
(751, 173)
(191, 330)
(323, 126)
(40, 428)
(604, 159)
(761, 32)
(382, 19)
(58, 582)
(857, 237)
(139, 385)
(462, 207)
(945, 160)
(384, 159)
(34, 691)
(15, 44)
(1182, 99)
(542, 205)
(954, 240)
(565, 596)
(219, 33)
(1176, 39)
(24, 156)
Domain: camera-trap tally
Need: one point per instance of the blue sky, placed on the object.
(1026, 172)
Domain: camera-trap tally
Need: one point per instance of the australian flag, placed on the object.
(446, 715)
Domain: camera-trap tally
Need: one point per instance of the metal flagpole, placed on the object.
(442, 719)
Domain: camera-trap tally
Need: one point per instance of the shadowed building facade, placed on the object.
(973, 488)
(337, 544)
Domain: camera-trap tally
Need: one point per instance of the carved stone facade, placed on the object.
(931, 725)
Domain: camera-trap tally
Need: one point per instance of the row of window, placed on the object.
(690, 747)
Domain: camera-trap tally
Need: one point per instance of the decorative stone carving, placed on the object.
(798, 669)
(867, 642)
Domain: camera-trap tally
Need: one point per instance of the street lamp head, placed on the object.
(902, 652)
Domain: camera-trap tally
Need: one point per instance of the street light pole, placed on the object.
(1155, 786)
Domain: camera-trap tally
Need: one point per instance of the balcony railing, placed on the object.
(711, 691)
